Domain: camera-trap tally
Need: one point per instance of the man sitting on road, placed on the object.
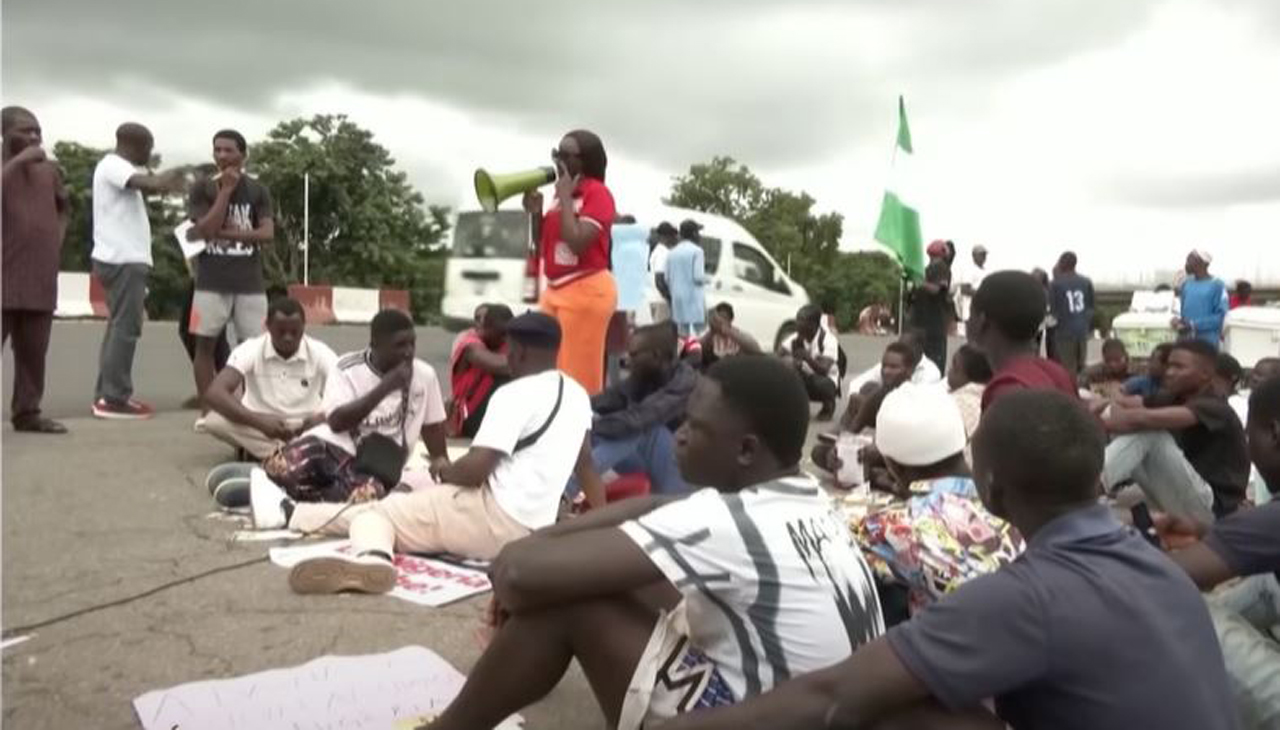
(1004, 321)
(670, 605)
(535, 432)
(1246, 544)
(1184, 446)
(1090, 628)
(377, 403)
(477, 367)
(273, 385)
(1149, 383)
(922, 370)
(634, 420)
(723, 339)
(1106, 379)
(815, 355)
(895, 367)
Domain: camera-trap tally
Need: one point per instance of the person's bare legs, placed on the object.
(203, 367)
(530, 653)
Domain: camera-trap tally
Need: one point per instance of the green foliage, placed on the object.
(369, 227)
(786, 225)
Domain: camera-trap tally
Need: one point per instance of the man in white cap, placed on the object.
(920, 434)
(1204, 301)
(968, 278)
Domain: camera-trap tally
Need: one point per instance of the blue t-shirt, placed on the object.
(630, 263)
(1204, 307)
(1143, 385)
(1090, 628)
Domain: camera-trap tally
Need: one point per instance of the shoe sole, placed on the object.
(118, 416)
(232, 493)
(219, 474)
(327, 575)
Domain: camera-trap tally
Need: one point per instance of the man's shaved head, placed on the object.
(10, 115)
(133, 133)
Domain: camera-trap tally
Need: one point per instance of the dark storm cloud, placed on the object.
(666, 81)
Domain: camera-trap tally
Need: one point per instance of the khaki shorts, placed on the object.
(672, 677)
(211, 311)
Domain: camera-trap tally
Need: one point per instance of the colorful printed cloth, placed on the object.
(934, 541)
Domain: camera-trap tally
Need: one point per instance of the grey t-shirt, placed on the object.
(231, 267)
(1090, 628)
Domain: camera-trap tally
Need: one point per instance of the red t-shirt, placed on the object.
(593, 203)
(1028, 372)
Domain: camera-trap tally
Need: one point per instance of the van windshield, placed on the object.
(503, 234)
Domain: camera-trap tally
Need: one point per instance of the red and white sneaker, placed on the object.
(134, 410)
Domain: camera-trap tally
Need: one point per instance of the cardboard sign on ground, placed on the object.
(370, 692)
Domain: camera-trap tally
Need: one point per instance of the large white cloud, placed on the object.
(1128, 131)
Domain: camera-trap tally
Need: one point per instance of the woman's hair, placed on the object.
(591, 152)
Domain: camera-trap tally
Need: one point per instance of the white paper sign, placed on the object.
(424, 581)
(371, 692)
(190, 249)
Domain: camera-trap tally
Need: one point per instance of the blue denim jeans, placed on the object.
(651, 453)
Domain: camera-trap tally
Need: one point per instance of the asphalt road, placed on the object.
(113, 509)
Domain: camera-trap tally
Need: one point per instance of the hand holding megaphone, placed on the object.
(532, 202)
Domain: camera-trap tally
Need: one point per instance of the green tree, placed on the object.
(806, 243)
(369, 227)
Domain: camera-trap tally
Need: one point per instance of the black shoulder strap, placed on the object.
(532, 438)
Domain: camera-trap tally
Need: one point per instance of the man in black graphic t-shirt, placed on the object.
(231, 212)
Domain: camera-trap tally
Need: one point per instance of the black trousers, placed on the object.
(29, 330)
(934, 342)
(821, 389)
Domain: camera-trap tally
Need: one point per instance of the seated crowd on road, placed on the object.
(1003, 538)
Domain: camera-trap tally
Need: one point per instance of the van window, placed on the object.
(751, 266)
(711, 254)
(504, 234)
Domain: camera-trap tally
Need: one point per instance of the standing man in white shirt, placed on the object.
(674, 606)
(272, 388)
(122, 260)
(665, 238)
(969, 279)
(535, 432)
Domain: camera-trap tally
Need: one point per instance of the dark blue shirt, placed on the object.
(1071, 302)
(1143, 385)
(1090, 628)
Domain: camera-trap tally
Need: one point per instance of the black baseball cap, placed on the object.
(535, 329)
(666, 229)
(690, 228)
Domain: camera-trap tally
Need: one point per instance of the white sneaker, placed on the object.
(336, 573)
(266, 501)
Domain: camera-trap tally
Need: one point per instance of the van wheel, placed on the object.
(784, 332)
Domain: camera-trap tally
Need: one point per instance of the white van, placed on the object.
(490, 262)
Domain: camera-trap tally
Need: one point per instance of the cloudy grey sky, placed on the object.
(1129, 130)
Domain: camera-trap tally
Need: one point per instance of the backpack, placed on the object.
(842, 363)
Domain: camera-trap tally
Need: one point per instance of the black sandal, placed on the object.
(39, 425)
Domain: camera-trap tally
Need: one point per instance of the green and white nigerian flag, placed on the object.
(899, 225)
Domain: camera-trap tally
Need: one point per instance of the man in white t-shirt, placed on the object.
(272, 387)
(968, 277)
(376, 405)
(815, 353)
(535, 432)
(122, 260)
(665, 236)
(675, 605)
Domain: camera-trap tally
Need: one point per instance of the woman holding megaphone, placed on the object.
(573, 239)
